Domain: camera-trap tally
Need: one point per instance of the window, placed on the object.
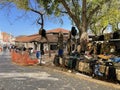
(53, 47)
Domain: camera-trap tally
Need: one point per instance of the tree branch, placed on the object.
(96, 9)
(76, 8)
(36, 11)
(73, 3)
(64, 12)
(41, 15)
(38, 21)
(74, 18)
(104, 29)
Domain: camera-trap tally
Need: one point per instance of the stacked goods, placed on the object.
(66, 59)
(108, 36)
(84, 67)
(56, 60)
(118, 74)
(117, 67)
(70, 62)
(105, 64)
(105, 70)
(116, 35)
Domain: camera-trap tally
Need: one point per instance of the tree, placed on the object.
(83, 13)
(109, 14)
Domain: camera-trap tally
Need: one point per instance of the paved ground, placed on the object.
(15, 77)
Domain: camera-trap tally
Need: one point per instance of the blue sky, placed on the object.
(16, 22)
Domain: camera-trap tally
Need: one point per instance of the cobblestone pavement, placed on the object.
(16, 77)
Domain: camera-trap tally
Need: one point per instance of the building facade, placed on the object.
(37, 42)
(6, 39)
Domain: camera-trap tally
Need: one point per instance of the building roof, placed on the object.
(50, 38)
(38, 38)
(27, 38)
(57, 30)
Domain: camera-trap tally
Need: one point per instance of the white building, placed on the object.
(6, 38)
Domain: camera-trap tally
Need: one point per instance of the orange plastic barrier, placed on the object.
(19, 58)
(31, 62)
(0, 49)
(22, 59)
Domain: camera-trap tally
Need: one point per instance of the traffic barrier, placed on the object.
(26, 60)
(0, 49)
(22, 59)
(19, 58)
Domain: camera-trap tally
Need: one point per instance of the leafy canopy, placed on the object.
(99, 13)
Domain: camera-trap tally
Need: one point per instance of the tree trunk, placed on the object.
(84, 35)
(84, 23)
(83, 28)
(103, 29)
(49, 49)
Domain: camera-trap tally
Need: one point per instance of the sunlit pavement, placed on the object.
(16, 77)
